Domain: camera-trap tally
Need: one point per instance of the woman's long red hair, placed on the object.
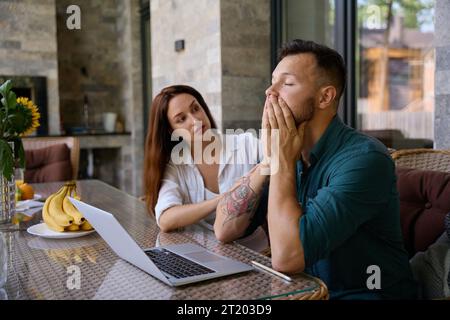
(158, 144)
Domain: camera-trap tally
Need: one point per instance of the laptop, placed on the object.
(175, 265)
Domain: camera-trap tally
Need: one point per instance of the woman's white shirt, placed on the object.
(183, 183)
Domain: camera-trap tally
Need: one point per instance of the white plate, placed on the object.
(35, 197)
(28, 204)
(42, 230)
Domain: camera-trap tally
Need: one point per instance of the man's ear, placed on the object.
(327, 96)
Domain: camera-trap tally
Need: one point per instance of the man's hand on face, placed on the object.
(290, 142)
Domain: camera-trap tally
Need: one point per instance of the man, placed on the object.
(333, 207)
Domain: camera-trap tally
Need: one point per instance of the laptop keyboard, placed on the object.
(176, 265)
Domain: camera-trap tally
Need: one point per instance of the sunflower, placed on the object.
(31, 113)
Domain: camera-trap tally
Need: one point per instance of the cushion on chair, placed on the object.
(424, 202)
(431, 269)
(48, 164)
(447, 224)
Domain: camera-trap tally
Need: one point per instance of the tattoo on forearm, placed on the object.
(242, 200)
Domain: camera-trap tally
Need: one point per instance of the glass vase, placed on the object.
(7, 196)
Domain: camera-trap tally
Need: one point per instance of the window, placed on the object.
(329, 22)
(309, 20)
(302, 19)
(388, 48)
(395, 71)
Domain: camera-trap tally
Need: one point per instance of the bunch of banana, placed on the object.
(60, 214)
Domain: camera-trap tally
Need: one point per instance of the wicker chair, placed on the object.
(425, 159)
(72, 142)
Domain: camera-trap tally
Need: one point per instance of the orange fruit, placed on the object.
(18, 195)
(20, 217)
(27, 191)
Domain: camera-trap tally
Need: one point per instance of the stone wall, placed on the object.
(103, 61)
(89, 62)
(245, 55)
(28, 47)
(131, 96)
(197, 22)
(226, 56)
(442, 75)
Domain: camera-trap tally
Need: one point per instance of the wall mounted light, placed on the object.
(179, 45)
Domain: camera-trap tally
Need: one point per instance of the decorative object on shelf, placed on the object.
(109, 121)
(18, 117)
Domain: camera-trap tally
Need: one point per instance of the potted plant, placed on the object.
(18, 117)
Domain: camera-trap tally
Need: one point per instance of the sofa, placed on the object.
(425, 219)
(51, 159)
(424, 203)
(48, 164)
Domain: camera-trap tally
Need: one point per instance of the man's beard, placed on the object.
(307, 112)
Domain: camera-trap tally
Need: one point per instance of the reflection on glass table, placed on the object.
(39, 267)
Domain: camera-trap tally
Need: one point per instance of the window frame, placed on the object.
(144, 13)
(345, 43)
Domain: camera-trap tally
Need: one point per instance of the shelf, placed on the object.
(99, 140)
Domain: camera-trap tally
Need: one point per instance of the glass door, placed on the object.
(302, 19)
(395, 64)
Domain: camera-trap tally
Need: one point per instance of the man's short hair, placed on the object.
(328, 60)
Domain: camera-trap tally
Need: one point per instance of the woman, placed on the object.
(187, 192)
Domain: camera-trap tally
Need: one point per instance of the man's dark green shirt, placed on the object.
(350, 228)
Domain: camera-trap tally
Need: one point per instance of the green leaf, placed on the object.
(7, 163)
(17, 121)
(5, 87)
(21, 154)
(12, 100)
